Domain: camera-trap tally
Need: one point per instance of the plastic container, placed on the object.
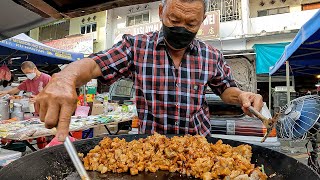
(135, 122)
(4, 110)
(84, 133)
(31, 107)
(17, 112)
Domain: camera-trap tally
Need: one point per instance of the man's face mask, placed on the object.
(178, 37)
(31, 75)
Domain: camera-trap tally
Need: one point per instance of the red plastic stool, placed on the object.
(41, 142)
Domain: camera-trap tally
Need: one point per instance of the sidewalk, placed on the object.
(296, 149)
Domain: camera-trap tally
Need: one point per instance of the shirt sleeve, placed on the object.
(117, 61)
(23, 86)
(222, 78)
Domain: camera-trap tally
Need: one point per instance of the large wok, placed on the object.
(55, 163)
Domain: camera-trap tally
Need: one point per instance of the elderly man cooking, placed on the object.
(171, 72)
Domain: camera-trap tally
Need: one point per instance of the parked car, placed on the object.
(229, 122)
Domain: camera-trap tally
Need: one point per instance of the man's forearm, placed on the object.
(231, 95)
(80, 72)
(12, 91)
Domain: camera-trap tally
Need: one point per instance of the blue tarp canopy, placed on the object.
(21, 47)
(267, 55)
(303, 53)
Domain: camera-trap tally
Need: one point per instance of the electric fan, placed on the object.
(299, 120)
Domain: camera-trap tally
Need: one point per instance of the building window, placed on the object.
(138, 19)
(273, 11)
(229, 9)
(53, 31)
(88, 28)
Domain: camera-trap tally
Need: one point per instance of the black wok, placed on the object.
(55, 163)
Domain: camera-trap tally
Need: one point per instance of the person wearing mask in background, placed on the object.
(35, 83)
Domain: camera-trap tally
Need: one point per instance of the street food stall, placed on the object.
(23, 131)
(302, 56)
(95, 115)
(55, 163)
(13, 52)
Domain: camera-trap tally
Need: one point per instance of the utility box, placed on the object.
(280, 96)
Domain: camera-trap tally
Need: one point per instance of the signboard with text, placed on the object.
(210, 28)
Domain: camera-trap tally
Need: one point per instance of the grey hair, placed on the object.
(28, 64)
(205, 3)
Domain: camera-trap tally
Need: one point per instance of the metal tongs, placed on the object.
(268, 123)
(75, 159)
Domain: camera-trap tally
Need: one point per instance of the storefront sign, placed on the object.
(138, 29)
(78, 43)
(208, 30)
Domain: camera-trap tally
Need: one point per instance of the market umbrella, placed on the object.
(21, 47)
(302, 55)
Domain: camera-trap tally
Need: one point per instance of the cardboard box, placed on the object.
(100, 130)
(97, 109)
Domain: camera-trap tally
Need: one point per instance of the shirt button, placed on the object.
(177, 105)
(177, 123)
(177, 84)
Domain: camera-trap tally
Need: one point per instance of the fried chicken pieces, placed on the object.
(190, 155)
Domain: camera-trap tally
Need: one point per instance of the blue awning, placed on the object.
(267, 55)
(22, 47)
(303, 53)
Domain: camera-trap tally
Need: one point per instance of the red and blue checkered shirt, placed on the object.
(168, 100)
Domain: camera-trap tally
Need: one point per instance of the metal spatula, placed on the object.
(268, 123)
(75, 159)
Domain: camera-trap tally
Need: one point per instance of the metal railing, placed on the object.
(230, 10)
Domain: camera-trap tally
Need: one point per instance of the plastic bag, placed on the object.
(55, 142)
(5, 73)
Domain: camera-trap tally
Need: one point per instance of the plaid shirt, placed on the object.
(168, 100)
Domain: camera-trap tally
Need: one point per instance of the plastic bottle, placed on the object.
(17, 112)
(31, 107)
(105, 105)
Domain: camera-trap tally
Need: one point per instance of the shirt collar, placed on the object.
(161, 42)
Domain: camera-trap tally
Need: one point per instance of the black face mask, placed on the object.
(177, 37)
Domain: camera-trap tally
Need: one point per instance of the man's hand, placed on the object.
(58, 100)
(247, 99)
(234, 95)
(32, 98)
(2, 93)
(11, 92)
(56, 104)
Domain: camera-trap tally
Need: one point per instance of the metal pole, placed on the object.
(84, 95)
(288, 81)
(270, 92)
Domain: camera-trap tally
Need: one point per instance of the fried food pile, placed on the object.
(190, 155)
